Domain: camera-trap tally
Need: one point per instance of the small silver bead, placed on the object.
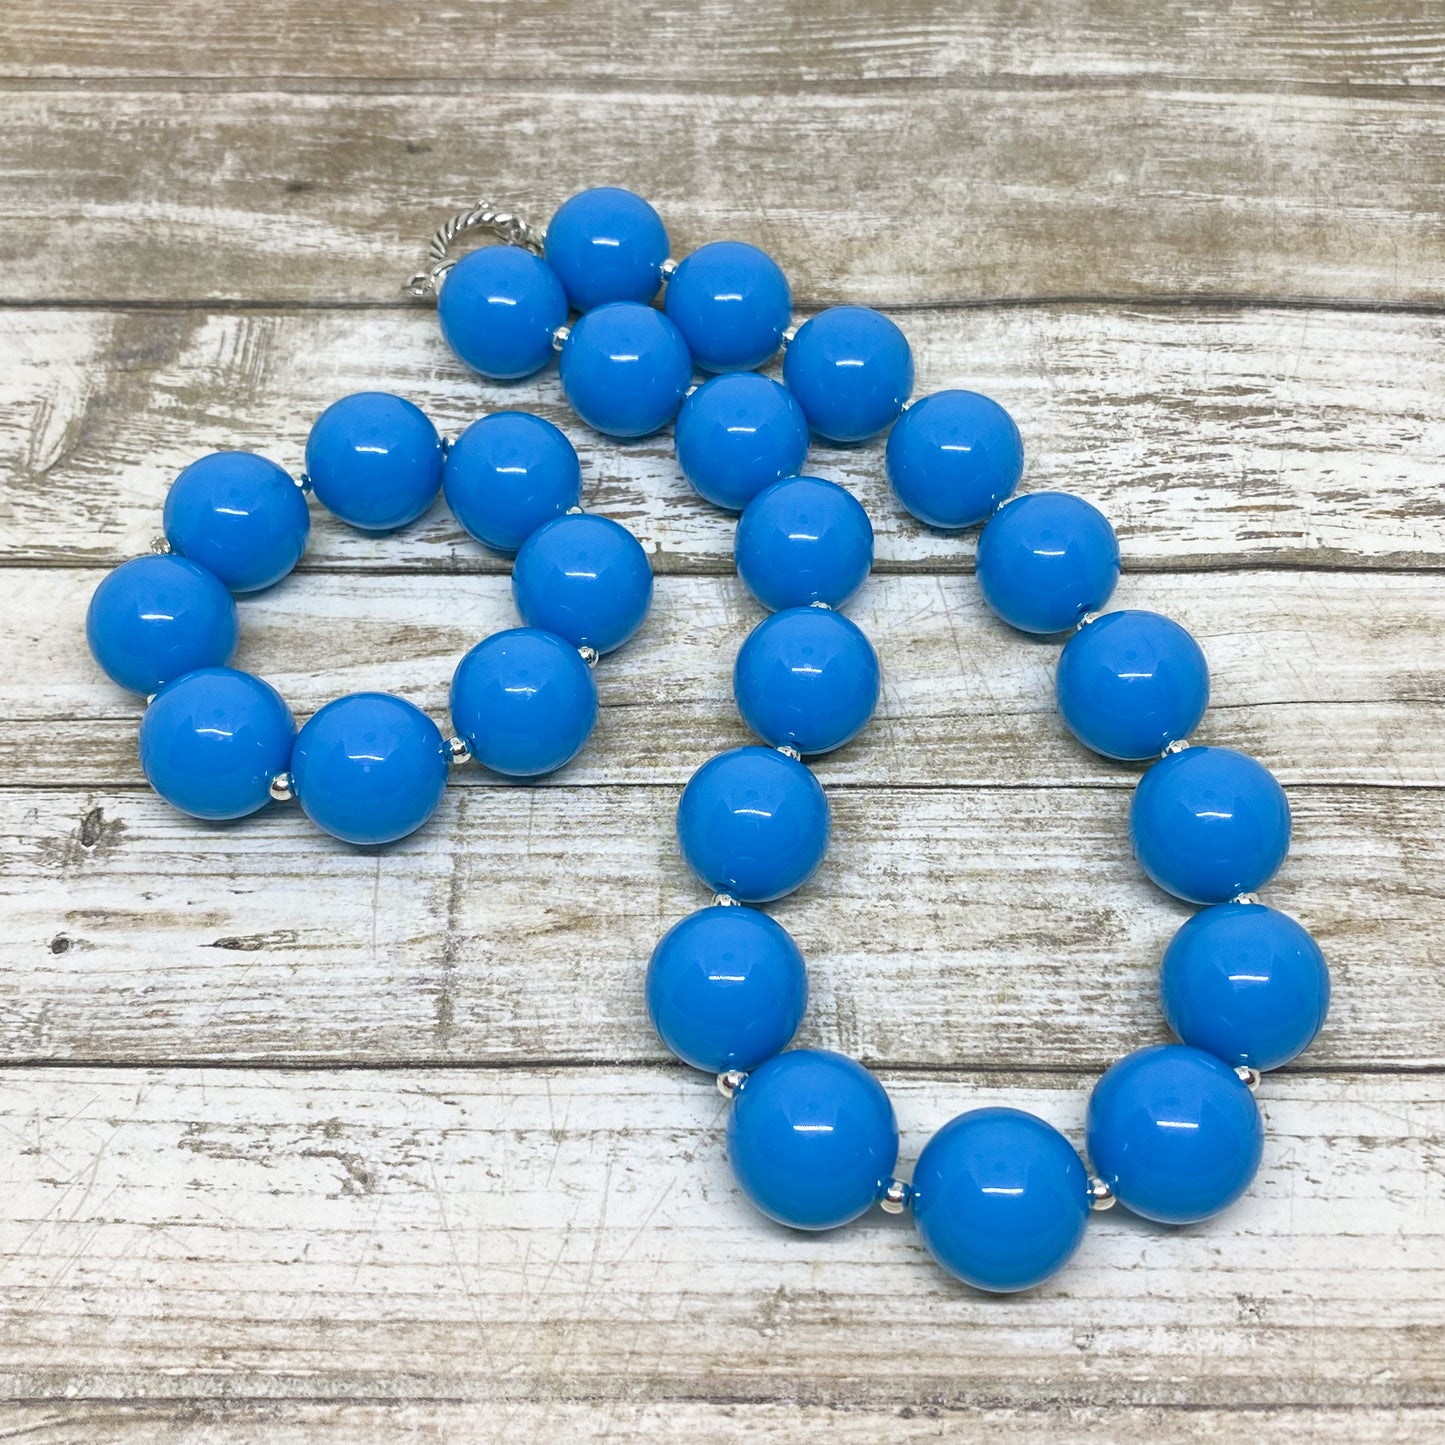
(1100, 1195)
(669, 267)
(905, 405)
(160, 546)
(150, 698)
(1245, 898)
(1248, 1077)
(283, 788)
(789, 751)
(1179, 745)
(729, 1082)
(447, 444)
(788, 335)
(1089, 617)
(896, 1197)
(690, 390)
(818, 602)
(459, 750)
(304, 482)
(725, 900)
(575, 511)
(559, 337)
(589, 655)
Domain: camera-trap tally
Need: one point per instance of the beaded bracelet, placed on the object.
(1000, 1198)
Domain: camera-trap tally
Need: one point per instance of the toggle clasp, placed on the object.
(506, 226)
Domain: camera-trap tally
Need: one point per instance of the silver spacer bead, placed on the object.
(589, 655)
(1100, 1195)
(789, 751)
(559, 337)
(574, 511)
(1248, 1077)
(447, 444)
(160, 546)
(150, 698)
(788, 336)
(283, 788)
(1179, 745)
(896, 1197)
(690, 390)
(725, 900)
(1089, 617)
(819, 603)
(729, 1082)
(304, 482)
(1245, 898)
(669, 266)
(458, 750)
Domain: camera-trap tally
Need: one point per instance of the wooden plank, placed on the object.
(530, 1235)
(886, 195)
(828, 41)
(1211, 437)
(1306, 672)
(946, 927)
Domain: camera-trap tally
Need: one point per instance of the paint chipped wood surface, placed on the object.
(309, 1142)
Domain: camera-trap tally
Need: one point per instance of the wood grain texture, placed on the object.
(1212, 438)
(885, 197)
(726, 42)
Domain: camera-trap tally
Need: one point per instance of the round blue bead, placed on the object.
(1131, 682)
(1046, 559)
(812, 1139)
(726, 988)
(625, 369)
(375, 460)
(1246, 984)
(585, 578)
(605, 245)
(1209, 823)
(806, 676)
(754, 823)
(507, 474)
(804, 540)
(369, 768)
(498, 308)
(1174, 1133)
(732, 304)
(1001, 1199)
(240, 516)
(851, 369)
(213, 740)
(954, 457)
(524, 701)
(736, 435)
(153, 618)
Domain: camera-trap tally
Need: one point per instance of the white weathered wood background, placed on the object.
(297, 1140)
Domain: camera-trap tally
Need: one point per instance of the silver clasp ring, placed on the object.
(484, 216)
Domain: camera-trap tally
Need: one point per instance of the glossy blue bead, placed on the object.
(1130, 683)
(1209, 823)
(153, 618)
(1001, 1199)
(585, 578)
(1175, 1133)
(754, 823)
(806, 676)
(1046, 559)
(851, 369)
(605, 245)
(507, 474)
(812, 1139)
(375, 460)
(498, 308)
(804, 540)
(369, 768)
(240, 516)
(524, 701)
(732, 304)
(736, 435)
(726, 988)
(212, 741)
(625, 369)
(1245, 983)
(953, 457)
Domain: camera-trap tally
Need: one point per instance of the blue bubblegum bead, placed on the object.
(507, 474)
(585, 578)
(212, 741)
(806, 676)
(732, 304)
(1175, 1133)
(607, 244)
(369, 768)
(240, 516)
(812, 1139)
(524, 701)
(726, 988)
(736, 435)
(498, 308)
(625, 369)
(754, 823)
(1209, 823)
(1130, 683)
(804, 540)
(1046, 559)
(374, 460)
(851, 369)
(153, 618)
(953, 457)
(1000, 1199)
(1245, 983)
